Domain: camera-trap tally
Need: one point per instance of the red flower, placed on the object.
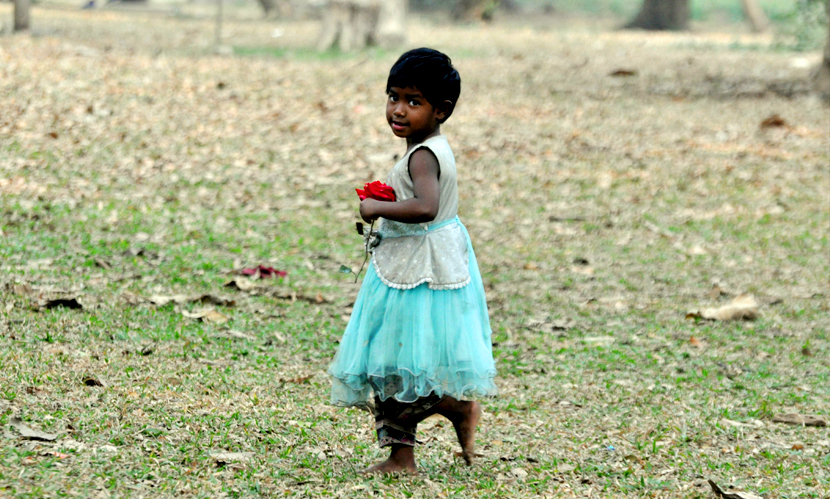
(376, 190)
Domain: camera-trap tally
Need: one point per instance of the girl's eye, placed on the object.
(414, 103)
(392, 98)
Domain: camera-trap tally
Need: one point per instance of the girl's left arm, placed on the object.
(423, 207)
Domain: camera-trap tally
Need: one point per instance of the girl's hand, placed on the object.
(368, 209)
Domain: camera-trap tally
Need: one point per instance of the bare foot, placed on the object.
(464, 416)
(401, 460)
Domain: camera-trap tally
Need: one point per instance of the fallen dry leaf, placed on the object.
(241, 284)
(238, 334)
(162, 300)
(30, 434)
(695, 342)
(731, 495)
(774, 121)
(208, 315)
(297, 380)
(623, 72)
(797, 447)
(226, 458)
(293, 296)
(212, 300)
(99, 262)
(205, 299)
(92, 380)
(798, 419)
(20, 289)
(742, 307)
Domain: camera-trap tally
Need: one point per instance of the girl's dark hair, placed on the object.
(429, 71)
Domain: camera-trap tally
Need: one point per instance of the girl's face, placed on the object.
(410, 115)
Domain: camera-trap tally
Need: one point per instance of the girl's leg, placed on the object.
(396, 423)
(464, 416)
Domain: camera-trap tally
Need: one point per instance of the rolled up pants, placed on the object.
(396, 422)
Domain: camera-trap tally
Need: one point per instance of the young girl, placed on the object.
(419, 334)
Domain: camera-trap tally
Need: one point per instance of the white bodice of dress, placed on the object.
(436, 252)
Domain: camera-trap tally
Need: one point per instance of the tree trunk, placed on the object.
(755, 15)
(822, 74)
(276, 8)
(391, 29)
(21, 15)
(469, 10)
(670, 15)
(354, 24)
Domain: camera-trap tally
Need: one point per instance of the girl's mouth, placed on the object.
(397, 126)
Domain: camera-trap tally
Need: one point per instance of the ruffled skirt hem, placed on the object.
(354, 389)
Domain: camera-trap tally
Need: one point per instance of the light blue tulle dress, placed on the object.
(420, 323)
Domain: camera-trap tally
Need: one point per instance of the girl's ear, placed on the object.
(443, 110)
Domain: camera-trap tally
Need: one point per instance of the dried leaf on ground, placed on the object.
(742, 307)
(774, 121)
(623, 72)
(731, 495)
(243, 284)
(209, 299)
(277, 337)
(238, 334)
(205, 299)
(162, 300)
(131, 298)
(225, 458)
(293, 296)
(716, 292)
(142, 252)
(208, 315)
(20, 289)
(297, 380)
(93, 380)
(100, 262)
(798, 419)
(548, 326)
(30, 434)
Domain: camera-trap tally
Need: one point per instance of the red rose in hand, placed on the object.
(376, 190)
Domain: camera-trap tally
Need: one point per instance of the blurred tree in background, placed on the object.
(21, 15)
(276, 8)
(674, 15)
(822, 75)
(670, 15)
(354, 24)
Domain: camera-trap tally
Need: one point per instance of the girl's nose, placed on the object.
(399, 110)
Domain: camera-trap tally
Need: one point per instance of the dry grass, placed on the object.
(133, 163)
